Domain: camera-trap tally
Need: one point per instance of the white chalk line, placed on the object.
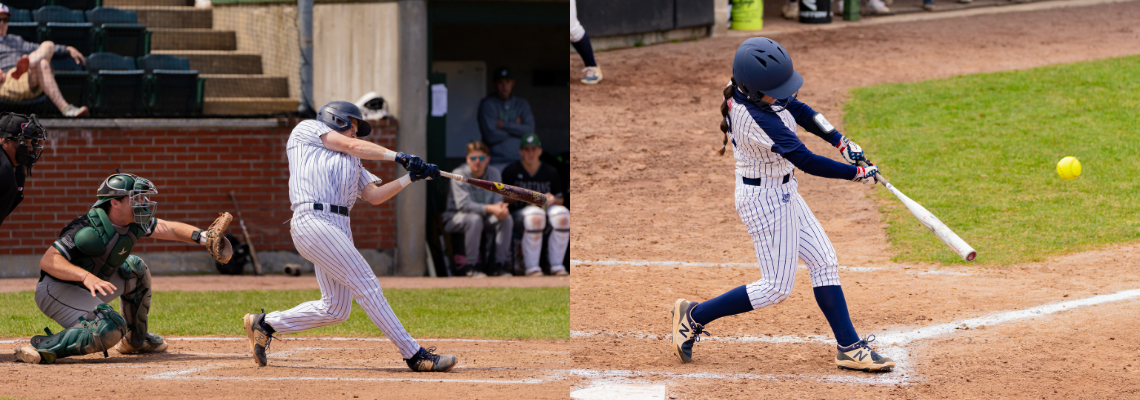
(343, 339)
(800, 266)
(890, 344)
(183, 374)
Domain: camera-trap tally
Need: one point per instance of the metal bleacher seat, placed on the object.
(71, 79)
(118, 31)
(173, 89)
(116, 86)
(20, 24)
(77, 4)
(64, 27)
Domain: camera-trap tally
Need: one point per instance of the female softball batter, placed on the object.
(760, 117)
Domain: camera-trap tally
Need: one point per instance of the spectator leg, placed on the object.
(41, 75)
(503, 229)
(560, 238)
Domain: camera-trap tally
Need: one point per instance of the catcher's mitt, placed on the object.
(216, 242)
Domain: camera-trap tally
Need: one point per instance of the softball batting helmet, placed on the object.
(336, 115)
(763, 67)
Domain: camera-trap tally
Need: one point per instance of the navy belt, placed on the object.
(758, 181)
(333, 208)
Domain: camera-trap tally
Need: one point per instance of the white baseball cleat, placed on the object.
(593, 75)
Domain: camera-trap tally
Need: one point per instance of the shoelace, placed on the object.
(591, 72)
(699, 330)
(429, 354)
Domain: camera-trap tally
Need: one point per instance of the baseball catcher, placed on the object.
(91, 265)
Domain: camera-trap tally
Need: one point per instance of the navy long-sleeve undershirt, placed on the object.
(788, 145)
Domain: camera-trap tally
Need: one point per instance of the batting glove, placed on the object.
(851, 152)
(430, 172)
(410, 163)
(866, 174)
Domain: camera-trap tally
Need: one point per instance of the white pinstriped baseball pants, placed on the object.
(326, 240)
(783, 231)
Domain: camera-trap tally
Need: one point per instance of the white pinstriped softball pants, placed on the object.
(783, 231)
(326, 240)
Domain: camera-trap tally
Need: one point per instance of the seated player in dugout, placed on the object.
(91, 265)
(504, 119)
(531, 173)
(20, 137)
(473, 211)
(25, 68)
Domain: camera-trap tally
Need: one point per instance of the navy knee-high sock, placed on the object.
(733, 302)
(585, 50)
(834, 307)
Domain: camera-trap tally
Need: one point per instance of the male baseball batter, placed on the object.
(325, 179)
(20, 137)
(760, 114)
(91, 265)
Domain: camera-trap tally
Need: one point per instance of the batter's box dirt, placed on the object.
(301, 368)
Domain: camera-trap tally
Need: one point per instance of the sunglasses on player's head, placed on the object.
(478, 158)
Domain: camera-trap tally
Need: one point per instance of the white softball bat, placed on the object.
(930, 221)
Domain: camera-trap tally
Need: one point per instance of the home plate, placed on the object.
(624, 392)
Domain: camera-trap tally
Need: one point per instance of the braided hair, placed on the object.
(724, 109)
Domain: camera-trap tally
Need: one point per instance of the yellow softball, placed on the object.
(1069, 168)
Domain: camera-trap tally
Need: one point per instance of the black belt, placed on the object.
(757, 181)
(333, 208)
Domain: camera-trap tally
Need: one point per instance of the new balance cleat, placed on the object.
(685, 331)
(259, 337)
(860, 357)
(427, 361)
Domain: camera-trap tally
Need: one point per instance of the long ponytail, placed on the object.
(724, 128)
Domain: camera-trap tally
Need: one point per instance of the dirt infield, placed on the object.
(199, 283)
(300, 368)
(644, 165)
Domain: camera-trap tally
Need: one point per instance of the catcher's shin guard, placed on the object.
(426, 360)
(259, 337)
(136, 306)
(860, 357)
(686, 332)
(95, 336)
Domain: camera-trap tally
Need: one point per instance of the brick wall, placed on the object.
(194, 170)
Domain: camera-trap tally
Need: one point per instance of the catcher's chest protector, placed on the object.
(103, 249)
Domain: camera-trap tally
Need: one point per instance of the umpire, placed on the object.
(20, 137)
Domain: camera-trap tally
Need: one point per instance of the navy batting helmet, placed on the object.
(336, 115)
(763, 67)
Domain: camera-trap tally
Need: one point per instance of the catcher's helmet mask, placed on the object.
(27, 133)
(336, 115)
(131, 186)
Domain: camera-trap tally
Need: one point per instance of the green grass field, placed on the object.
(491, 313)
(980, 152)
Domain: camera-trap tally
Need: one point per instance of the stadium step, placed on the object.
(192, 39)
(219, 62)
(128, 3)
(173, 17)
(248, 105)
(221, 85)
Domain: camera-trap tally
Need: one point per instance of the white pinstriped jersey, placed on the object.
(320, 175)
(752, 147)
(782, 226)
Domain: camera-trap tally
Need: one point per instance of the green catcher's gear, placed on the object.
(87, 337)
(130, 185)
(136, 302)
(103, 249)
